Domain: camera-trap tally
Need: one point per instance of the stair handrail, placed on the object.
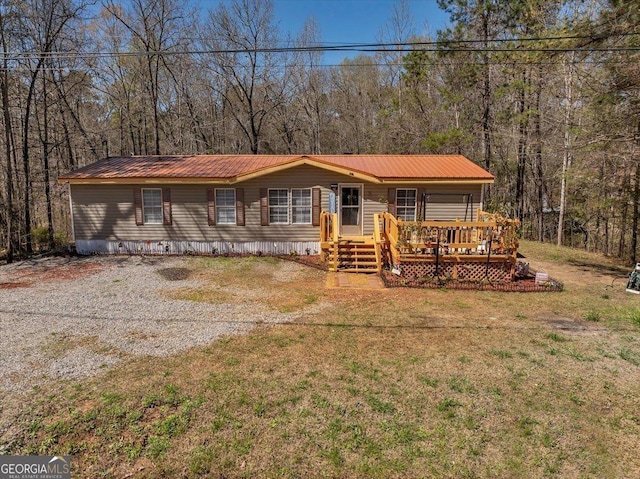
(328, 226)
(377, 241)
(390, 233)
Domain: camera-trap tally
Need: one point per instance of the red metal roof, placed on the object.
(230, 167)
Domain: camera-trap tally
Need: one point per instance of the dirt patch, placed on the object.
(313, 261)
(14, 285)
(573, 326)
(28, 273)
(353, 281)
(175, 274)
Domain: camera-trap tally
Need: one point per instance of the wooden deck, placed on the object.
(465, 250)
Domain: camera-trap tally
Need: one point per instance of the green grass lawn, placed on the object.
(392, 383)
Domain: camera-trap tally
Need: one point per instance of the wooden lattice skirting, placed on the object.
(526, 284)
(467, 271)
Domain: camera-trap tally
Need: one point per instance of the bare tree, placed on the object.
(43, 21)
(9, 219)
(154, 26)
(244, 40)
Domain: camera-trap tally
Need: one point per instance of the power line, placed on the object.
(444, 47)
(437, 63)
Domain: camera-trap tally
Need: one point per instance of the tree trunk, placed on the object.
(153, 80)
(4, 86)
(486, 99)
(537, 131)
(26, 163)
(522, 149)
(45, 160)
(636, 200)
(567, 155)
(623, 216)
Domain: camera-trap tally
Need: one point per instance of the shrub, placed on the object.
(40, 235)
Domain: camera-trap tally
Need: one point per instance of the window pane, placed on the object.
(225, 215)
(406, 197)
(152, 205)
(350, 196)
(301, 215)
(411, 197)
(225, 197)
(152, 197)
(351, 216)
(278, 197)
(279, 206)
(226, 206)
(278, 214)
(407, 214)
(301, 205)
(152, 216)
(300, 197)
(406, 204)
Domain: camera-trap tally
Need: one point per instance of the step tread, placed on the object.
(360, 270)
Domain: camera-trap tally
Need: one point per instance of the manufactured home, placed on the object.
(269, 204)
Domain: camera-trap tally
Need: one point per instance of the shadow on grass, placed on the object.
(303, 324)
(598, 268)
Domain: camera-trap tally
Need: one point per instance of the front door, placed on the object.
(350, 209)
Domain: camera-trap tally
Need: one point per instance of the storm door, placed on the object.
(350, 209)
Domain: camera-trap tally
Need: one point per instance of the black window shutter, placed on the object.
(316, 204)
(421, 206)
(211, 207)
(264, 207)
(166, 206)
(137, 205)
(239, 206)
(391, 199)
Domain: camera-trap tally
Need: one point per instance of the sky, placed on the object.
(349, 21)
(354, 21)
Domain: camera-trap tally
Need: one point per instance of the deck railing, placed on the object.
(411, 238)
(455, 248)
(378, 240)
(329, 233)
(328, 226)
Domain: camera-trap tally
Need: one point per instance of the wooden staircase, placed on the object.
(353, 256)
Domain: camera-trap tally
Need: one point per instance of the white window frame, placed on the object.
(404, 206)
(287, 206)
(231, 207)
(309, 207)
(145, 207)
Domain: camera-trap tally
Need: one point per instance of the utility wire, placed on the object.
(447, 46)
(432, 62)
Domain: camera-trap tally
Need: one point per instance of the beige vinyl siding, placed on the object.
(106, 212)
(375, 201)
(448, 202)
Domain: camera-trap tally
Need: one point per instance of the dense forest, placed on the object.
(545, 94)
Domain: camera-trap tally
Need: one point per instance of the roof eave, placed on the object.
(243, 178)
(449, 181)
(306, 160)
(144, 180)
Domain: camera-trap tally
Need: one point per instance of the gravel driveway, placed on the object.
(73, 317)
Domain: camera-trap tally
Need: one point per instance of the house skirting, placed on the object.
(196, 247)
